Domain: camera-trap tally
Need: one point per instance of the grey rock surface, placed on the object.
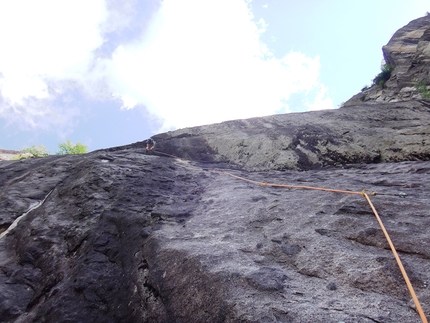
(408, 52)
(11, 154)
(126, 237)
(365, 133)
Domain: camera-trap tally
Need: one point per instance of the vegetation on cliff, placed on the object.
(423, 90)
(384, 75)
(41, 151)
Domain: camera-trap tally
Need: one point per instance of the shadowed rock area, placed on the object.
(118, 235)
(127, 237)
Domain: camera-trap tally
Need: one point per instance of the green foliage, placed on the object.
(37, 151)
(21, 156)
(41, 151)
(423, 90)
(384, 76)
(68, 148)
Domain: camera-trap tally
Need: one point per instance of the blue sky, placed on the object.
(112, 72)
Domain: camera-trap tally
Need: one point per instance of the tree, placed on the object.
(37, 151)
(68, 148)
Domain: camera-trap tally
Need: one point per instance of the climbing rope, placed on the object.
(399, 262)
(262, 183)
(363, 193)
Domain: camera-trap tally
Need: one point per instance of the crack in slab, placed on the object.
(31, 208)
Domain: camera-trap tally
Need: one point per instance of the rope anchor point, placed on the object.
(364, 193)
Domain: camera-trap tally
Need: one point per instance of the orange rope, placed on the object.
(399, 262)
(274, 184)
(363, 193)
(159, 152)
(287, 186)
(262, 183)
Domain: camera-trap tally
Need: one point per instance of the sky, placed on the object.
(107, 73)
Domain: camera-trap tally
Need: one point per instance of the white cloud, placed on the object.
(199, 62)
(203, 62)
(322, 100)
(44, 43)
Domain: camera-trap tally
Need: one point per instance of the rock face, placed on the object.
(11, 154)
(118, 235)
(408, 52)
(358, 134)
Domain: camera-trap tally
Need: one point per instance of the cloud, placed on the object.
(322, 100)
(203, 62)
(47, 47)
(193, 62)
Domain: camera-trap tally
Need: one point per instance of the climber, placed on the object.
(150, 143)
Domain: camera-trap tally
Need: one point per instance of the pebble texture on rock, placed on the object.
(118, 235)
(128, 237)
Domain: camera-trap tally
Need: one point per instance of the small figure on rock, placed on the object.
(150, 143)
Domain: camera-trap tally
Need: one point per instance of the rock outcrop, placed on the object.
(118, 235)
(366, 133)
(408, 54)
(13, 154)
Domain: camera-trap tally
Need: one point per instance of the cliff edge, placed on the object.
(407, 56)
